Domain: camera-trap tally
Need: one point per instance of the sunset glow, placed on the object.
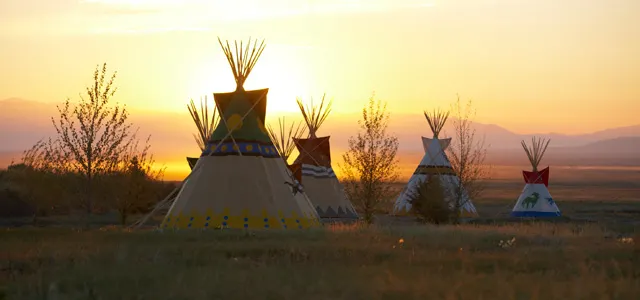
(529, 66)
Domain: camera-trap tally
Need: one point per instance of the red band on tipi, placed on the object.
(314, 151)
(541, 176)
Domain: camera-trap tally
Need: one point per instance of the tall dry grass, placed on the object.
(545, 261)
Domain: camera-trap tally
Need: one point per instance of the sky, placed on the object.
(569, 66)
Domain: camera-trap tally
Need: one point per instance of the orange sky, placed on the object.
(568, 66)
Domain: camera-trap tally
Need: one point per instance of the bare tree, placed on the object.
(467, 153)
(370, 165)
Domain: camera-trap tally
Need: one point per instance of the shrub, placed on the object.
(428, 202)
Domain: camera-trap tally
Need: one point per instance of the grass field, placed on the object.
(593, 253)
(546, 261)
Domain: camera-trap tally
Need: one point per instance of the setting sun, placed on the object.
(282, 69)
(473, 149)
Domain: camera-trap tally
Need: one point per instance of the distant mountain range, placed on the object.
(23, 122)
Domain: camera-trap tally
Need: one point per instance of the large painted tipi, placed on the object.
(535, 199)
(435, 163)
(239, 181)
(314, 162)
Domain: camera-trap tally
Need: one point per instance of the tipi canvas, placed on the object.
(314, 162)
(239, 180)
(283, 141)
(435, 163)
(535, 199)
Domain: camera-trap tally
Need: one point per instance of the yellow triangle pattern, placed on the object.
(224, 219)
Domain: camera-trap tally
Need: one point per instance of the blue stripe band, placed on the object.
(246, 148)
(535, 214)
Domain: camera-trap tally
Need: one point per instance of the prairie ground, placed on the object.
(593, 252)
(538, 261)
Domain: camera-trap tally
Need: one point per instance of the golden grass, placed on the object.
(546, 261)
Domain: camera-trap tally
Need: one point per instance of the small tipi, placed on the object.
(535, 199)
(239, 180)
(314, 161)
(435, 163)
(205, 125)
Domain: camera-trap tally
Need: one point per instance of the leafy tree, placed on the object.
(370, 164)
(93, 137)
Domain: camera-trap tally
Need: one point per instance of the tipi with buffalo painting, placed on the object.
(535, 199)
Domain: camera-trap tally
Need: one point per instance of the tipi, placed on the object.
(238, 180)
(435, 163)
(204, 123)
(535, 199)
(283, 141)
(314, 163)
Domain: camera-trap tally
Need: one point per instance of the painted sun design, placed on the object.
(234, 122)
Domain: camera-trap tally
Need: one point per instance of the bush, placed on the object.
(428, 202)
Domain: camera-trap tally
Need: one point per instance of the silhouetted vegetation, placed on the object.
(133, 186)
(370, 164)
(428, 202)
(467, 153)
(40, 188)
(95, 156)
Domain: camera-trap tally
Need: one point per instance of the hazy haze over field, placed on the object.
(28, 121)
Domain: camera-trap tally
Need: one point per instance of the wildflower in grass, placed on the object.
(507, 243)
(626, 240)
(400, 243)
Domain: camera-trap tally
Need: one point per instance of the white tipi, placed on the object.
(535, 199)
(435, 163)
(239, 181)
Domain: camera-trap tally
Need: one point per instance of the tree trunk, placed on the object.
(89, 199)
(123, 217)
